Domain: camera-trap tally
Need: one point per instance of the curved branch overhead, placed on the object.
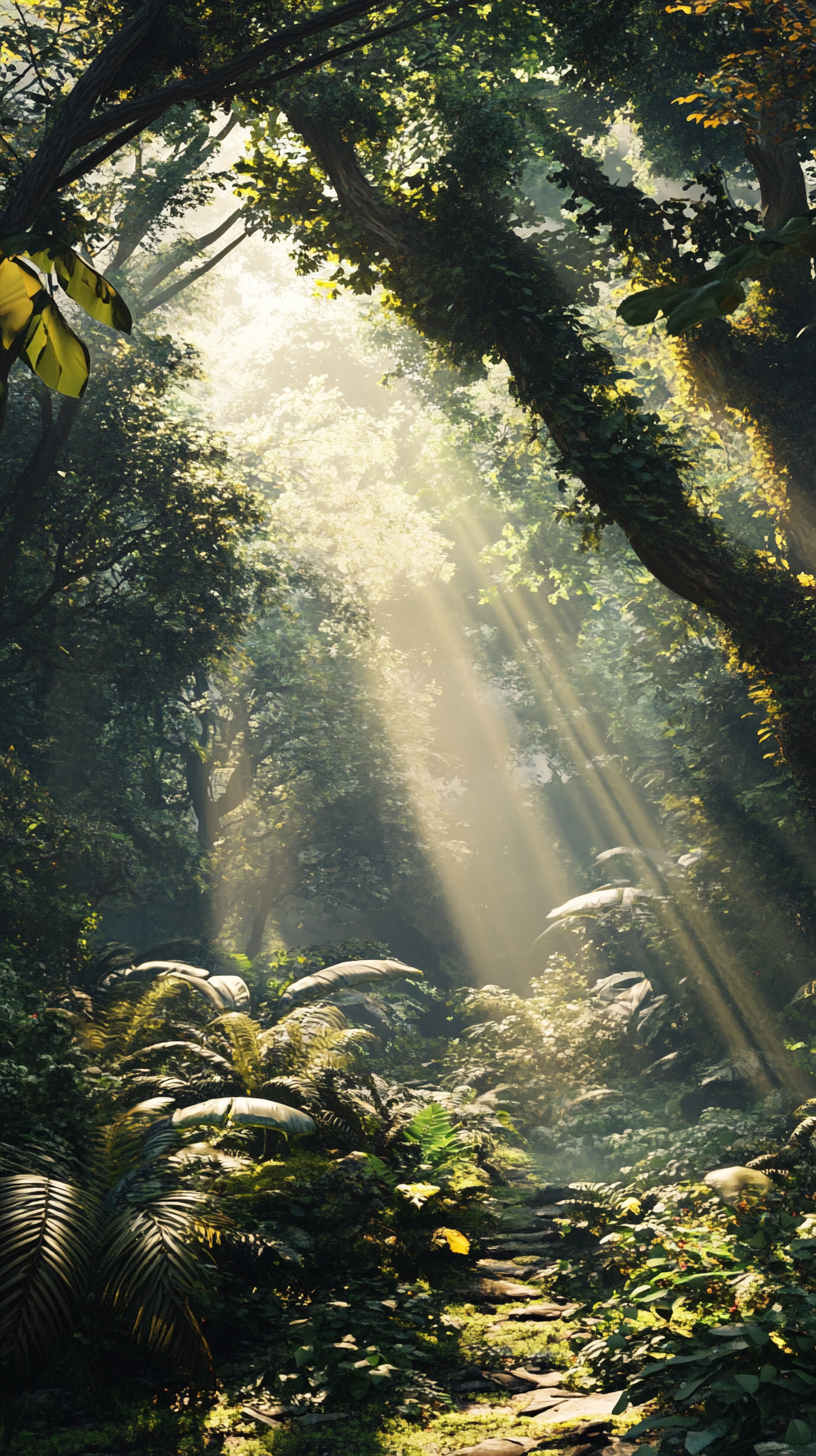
(629, 467)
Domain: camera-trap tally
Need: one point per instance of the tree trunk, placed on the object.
(475, 288)
(279, 880)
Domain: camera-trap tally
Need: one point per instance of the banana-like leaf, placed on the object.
(586, 907)
(170, 966)
(19, 286)
(712, 300)
(81, 282)
(55, 353)
(152, 1106)
(151, 1269)
(46, 1240)
(109, 982)
(245, 1112)
(233, 991)
(345, 973)
(719, 291)
(92, 292)
(225, 993)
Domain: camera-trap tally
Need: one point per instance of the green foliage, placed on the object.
(348, 973)
(362, 1346)
(46, 1089)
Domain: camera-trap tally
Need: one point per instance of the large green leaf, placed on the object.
(245, 1112)
(46, 1242)
(225, 993)
(586, 907)
(234, 992)
(713, 300)
(94, 294)
(345, 973)
(718, 291)
(19, 286)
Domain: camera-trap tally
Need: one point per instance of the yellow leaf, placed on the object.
(92, 292)
(630, 1205)
(55, 353)
(18, 286)
(456, 1242)
(417, 1193)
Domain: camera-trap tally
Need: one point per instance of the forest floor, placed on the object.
(500, 1391)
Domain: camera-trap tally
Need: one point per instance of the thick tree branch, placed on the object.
(339, 161)
(40, 176)
(629, 470)
(189, 250)
(182, 283)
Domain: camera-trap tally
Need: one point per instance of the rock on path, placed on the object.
(569, 1407)
(544, 1312)
(494, 1291)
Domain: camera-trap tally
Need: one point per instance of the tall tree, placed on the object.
(425, 197)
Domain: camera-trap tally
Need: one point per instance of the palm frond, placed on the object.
(137, 1139)
(153, 1267)
(46, 1239)
(195, 1048)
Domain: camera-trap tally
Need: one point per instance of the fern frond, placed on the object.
(242, 1033)
(46, 1239)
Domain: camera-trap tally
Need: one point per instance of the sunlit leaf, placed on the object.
(92, 292)
(232, 990)
(19, 286)
(346, 973)
(246, 1112)
(456, 1242)
(57, 356)
(713, 300)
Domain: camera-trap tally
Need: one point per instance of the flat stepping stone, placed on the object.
(503, 1381)
(548, 1396)
(571, 1407)
(544, 1312)
(547, 1379)
(494, 1291)
(498, 1446)
(497, 1268)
